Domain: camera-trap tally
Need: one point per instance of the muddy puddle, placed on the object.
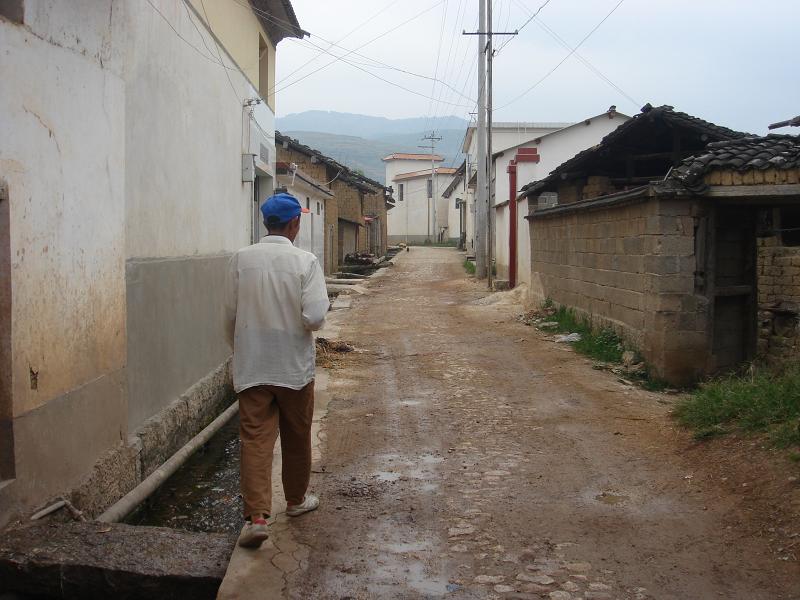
(203, 495)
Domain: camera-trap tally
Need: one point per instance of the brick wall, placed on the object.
(778, 300)
(350, 205)
(630, 267)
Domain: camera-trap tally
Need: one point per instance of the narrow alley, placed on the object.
(464, 456)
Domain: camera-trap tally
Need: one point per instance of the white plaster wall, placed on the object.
(553, 149)
(411, 216)
(523, 243)
(312, 225)
(62, 120)
(501, 241)
(186, 134)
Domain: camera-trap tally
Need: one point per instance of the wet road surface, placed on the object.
(465, 456)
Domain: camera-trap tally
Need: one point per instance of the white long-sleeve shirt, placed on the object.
(275, 296)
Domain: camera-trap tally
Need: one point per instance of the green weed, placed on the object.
(469, 267)
(762, 401)
(601, 344)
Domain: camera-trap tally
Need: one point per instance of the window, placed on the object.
(319, 207)
(790, 225)
(308, 203)
(7, 467)
(400, 192)
(263, 68)
(13, 10)
(430, 188)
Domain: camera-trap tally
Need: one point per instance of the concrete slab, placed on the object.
(261, 573)
(98, 560)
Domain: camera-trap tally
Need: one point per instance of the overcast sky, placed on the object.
(733, 62)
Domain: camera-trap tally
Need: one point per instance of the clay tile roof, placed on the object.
(406, 156)
(709, 131)
(774, 151)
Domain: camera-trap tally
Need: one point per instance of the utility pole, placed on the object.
(484, 211)
(490, 214)
(432, 195)
(480, 200)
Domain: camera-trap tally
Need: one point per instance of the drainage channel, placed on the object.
(203, 495)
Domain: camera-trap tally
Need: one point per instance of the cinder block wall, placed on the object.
(629, 267)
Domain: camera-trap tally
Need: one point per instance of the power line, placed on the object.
(347, 35)
(586, 62)
(216, 45)
(288, 27)
(563, 60)
(436, 68)
(521, 27)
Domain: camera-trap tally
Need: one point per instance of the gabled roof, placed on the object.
(512, 126)
(781, 152)
(406, 156)
(619, 140)
(458, 176)
(424, 173)
(346, 174)
(278, 19)
(609, 114)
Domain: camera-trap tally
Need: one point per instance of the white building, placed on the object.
(504, 136)
(136, 146)
(312, 195)
(528, 161)
(421, 213)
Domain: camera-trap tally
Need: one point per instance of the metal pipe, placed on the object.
(130, 501)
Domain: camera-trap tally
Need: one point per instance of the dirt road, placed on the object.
(465, 456)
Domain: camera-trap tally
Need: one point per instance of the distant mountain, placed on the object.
(363, 125)
(366, 154)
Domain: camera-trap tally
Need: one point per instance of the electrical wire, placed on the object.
(216, 45)
(521, 27)
(586, 62)
(436, 68)
(563, 60)
(347, 35)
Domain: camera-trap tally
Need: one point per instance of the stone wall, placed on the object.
(630, 267)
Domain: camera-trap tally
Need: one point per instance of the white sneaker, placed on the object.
(310, 502)
(254, 533)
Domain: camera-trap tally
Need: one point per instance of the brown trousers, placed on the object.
(263, 411)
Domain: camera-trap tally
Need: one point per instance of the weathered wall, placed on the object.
(778, 300)
(65, 175)
(7, 464)
(630, 267)
(184, 217)
(239, 31)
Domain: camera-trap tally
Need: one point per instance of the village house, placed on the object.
(356, 212)
(530, 161)
(417, 181)
(678, 234)
(505, 135)
(314, 196)
(455, 194)
(115, 230)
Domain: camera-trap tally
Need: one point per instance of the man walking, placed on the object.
(275, 296)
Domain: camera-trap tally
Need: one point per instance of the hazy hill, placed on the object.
(363, 125)
(361, 141)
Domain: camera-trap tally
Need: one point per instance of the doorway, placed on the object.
(734, 287)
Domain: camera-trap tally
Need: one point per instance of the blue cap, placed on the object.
(281, 208)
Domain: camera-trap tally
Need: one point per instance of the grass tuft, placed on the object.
(762, 401)
(469, 267)
(601, 344)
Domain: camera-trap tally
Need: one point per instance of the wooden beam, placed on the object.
(750, 191)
